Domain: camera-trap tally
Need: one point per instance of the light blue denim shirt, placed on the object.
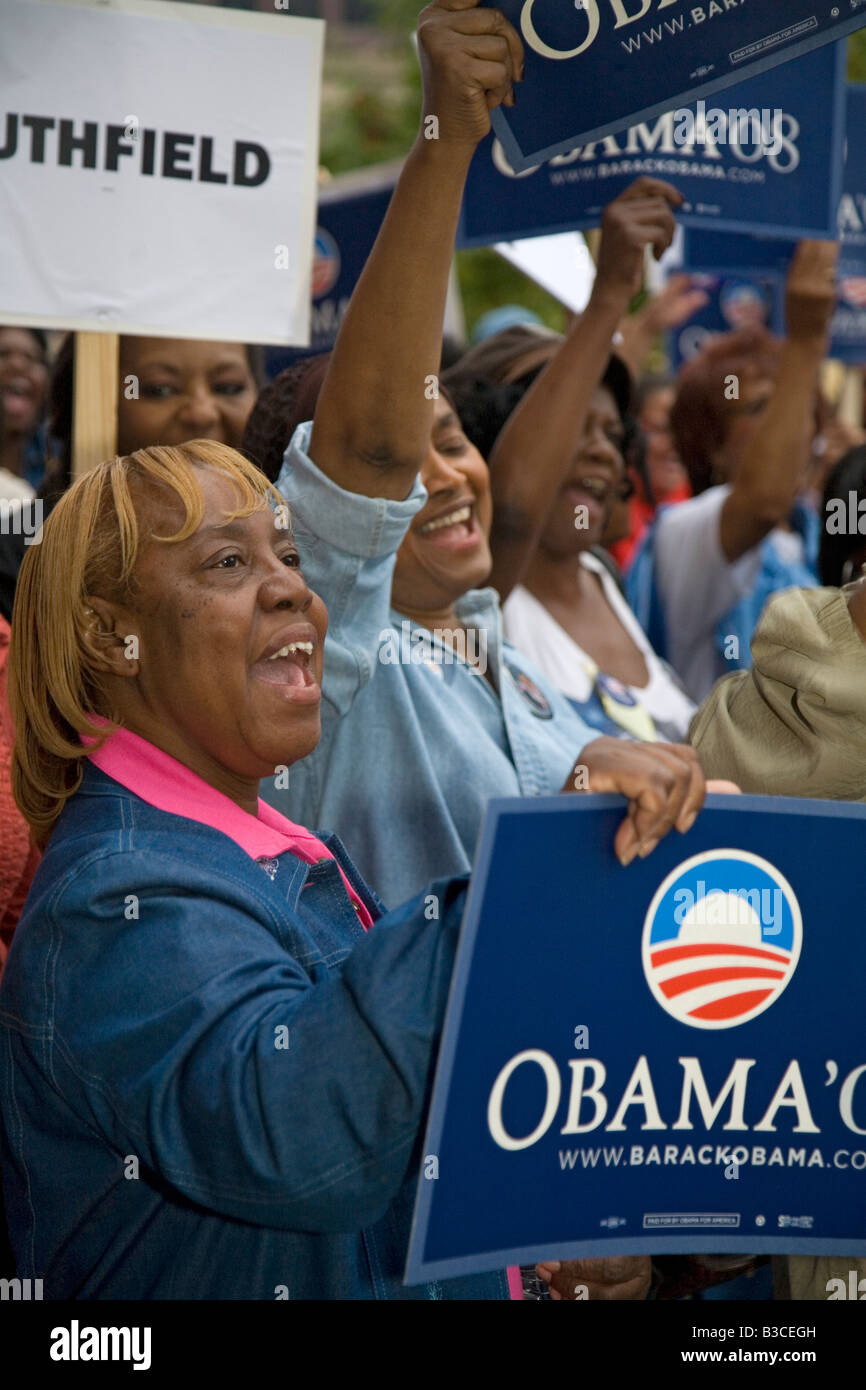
(414, 741)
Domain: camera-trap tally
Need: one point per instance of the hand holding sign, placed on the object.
(811, 290)
(663, 782)
(470, 59)
(639, 217)
(618, 1278)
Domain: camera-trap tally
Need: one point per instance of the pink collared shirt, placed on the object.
(163, 782)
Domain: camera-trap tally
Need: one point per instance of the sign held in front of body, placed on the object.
(158, 169)
(669, 1060)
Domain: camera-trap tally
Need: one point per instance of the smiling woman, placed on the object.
(173, 552)
(220, 1017)
(170, 390)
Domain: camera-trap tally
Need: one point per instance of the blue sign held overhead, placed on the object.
(848, 331)
(596, 67)
(666, 1058)
(766, 261)
(736, 299)
(780, 173)
(351, 211)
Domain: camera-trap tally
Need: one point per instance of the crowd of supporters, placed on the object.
(242, 746)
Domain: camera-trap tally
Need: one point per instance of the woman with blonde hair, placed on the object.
(192, 997)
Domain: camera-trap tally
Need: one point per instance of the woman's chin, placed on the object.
(276, 755)
(474, 572)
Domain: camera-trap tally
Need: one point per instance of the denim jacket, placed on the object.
(213, 1082)
(414, 741)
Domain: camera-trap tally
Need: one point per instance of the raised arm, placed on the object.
(535, 448)
(375, 410)
(773, 467)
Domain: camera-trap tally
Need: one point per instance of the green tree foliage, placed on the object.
(857, 57)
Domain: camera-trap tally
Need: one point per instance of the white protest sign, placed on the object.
(158, 168)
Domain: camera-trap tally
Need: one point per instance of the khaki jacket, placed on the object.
(795, 725)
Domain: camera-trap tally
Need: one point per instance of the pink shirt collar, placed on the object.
(163, 782)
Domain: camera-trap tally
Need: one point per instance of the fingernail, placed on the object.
(646, 847)
(627, 855)
(688, 823)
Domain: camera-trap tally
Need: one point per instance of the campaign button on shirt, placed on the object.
(535, 698)
(615, 690)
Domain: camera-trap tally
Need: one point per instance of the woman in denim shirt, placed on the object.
(427, 711)
(213, 1078)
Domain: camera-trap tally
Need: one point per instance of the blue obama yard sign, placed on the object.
(595, 67)
(848, 330)
(786, 182)
(736, 299)
(351, 210)
(663, 1058)
(763, 262)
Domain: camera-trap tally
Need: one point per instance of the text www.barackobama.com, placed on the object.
(706, 1155)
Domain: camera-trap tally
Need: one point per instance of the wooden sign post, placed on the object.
(94, 414)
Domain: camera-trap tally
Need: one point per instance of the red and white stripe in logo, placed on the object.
(718, 968)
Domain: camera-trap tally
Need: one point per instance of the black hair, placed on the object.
(452, 350)
(38, 333)
(484, 406)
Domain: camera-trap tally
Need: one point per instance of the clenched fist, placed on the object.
(641, 216)
(470, 60)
